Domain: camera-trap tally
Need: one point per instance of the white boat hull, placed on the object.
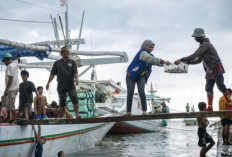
(19, 140)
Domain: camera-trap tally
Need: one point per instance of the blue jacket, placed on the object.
(137, 66)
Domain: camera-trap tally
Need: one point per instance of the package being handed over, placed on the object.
(172, 68)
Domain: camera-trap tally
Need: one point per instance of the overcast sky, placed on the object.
(122, 25)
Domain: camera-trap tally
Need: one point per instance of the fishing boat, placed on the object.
(19, 140)
(190, 121)
(116, 103)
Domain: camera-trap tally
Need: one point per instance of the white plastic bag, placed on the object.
(172, 68)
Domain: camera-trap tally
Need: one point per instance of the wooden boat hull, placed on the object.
(19, 140)
(132, 127)
(190, 121)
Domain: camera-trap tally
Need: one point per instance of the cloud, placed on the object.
(122, 25)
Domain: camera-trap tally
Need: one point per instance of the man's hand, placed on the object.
(35, 112)
(5, 92)
(47, 86)
(177, 62)
(167, 62)
(76, 81)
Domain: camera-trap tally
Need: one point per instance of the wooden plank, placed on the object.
(127, 118)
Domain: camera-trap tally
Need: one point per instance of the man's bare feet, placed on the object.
(78, 117)
(144, 113)
(127, 114)
(13, 123)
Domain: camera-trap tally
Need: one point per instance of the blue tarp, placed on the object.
(16, 53)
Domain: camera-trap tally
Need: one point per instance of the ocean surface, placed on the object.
(177, 140)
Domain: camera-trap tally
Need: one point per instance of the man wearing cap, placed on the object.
(207, 54)
(66, 71)
(12, 85)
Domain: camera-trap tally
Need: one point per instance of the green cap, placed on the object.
(6, 55)
(198, 32)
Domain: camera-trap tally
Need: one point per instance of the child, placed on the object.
(39, 104)
(204, 137)
(40, 141)
(3, 113)
(61, 154)
(26, 97)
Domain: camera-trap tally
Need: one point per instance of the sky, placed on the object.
(122, 25)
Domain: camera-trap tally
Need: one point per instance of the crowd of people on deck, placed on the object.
(66, 71)
(26, 110)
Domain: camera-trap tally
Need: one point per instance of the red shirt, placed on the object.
(217, 71)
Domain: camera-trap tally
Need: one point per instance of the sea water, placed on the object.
(177, 141)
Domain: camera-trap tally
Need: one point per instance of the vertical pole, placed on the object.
(79, 37)
(66, 24)
(56, 31)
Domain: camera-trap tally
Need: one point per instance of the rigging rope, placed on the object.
(24, 20)
(39, 6)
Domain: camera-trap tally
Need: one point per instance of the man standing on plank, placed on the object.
(66, 71)
(212, 64)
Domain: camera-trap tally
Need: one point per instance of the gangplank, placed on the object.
(127, 118)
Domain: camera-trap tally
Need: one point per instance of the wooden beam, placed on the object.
(127, 118)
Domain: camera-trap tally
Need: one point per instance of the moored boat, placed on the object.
(116, 103)
(190, 121)
(20, 141)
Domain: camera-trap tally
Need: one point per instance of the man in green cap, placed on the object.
(207, 54)
(12, 85)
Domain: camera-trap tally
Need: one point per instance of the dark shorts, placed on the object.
(226, 122)
(71, 93)
(40, 116)
(25, 106)
(204, 138)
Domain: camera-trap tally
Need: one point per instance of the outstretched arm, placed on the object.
(144, 56)
(35, 104)
(51, 77)
(46, 103)
(35, 133)
(194, 61)
(76, 78)
(39, 131)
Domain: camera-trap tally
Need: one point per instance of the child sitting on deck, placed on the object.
(204, 137)
(39, 104)
(3, 113)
